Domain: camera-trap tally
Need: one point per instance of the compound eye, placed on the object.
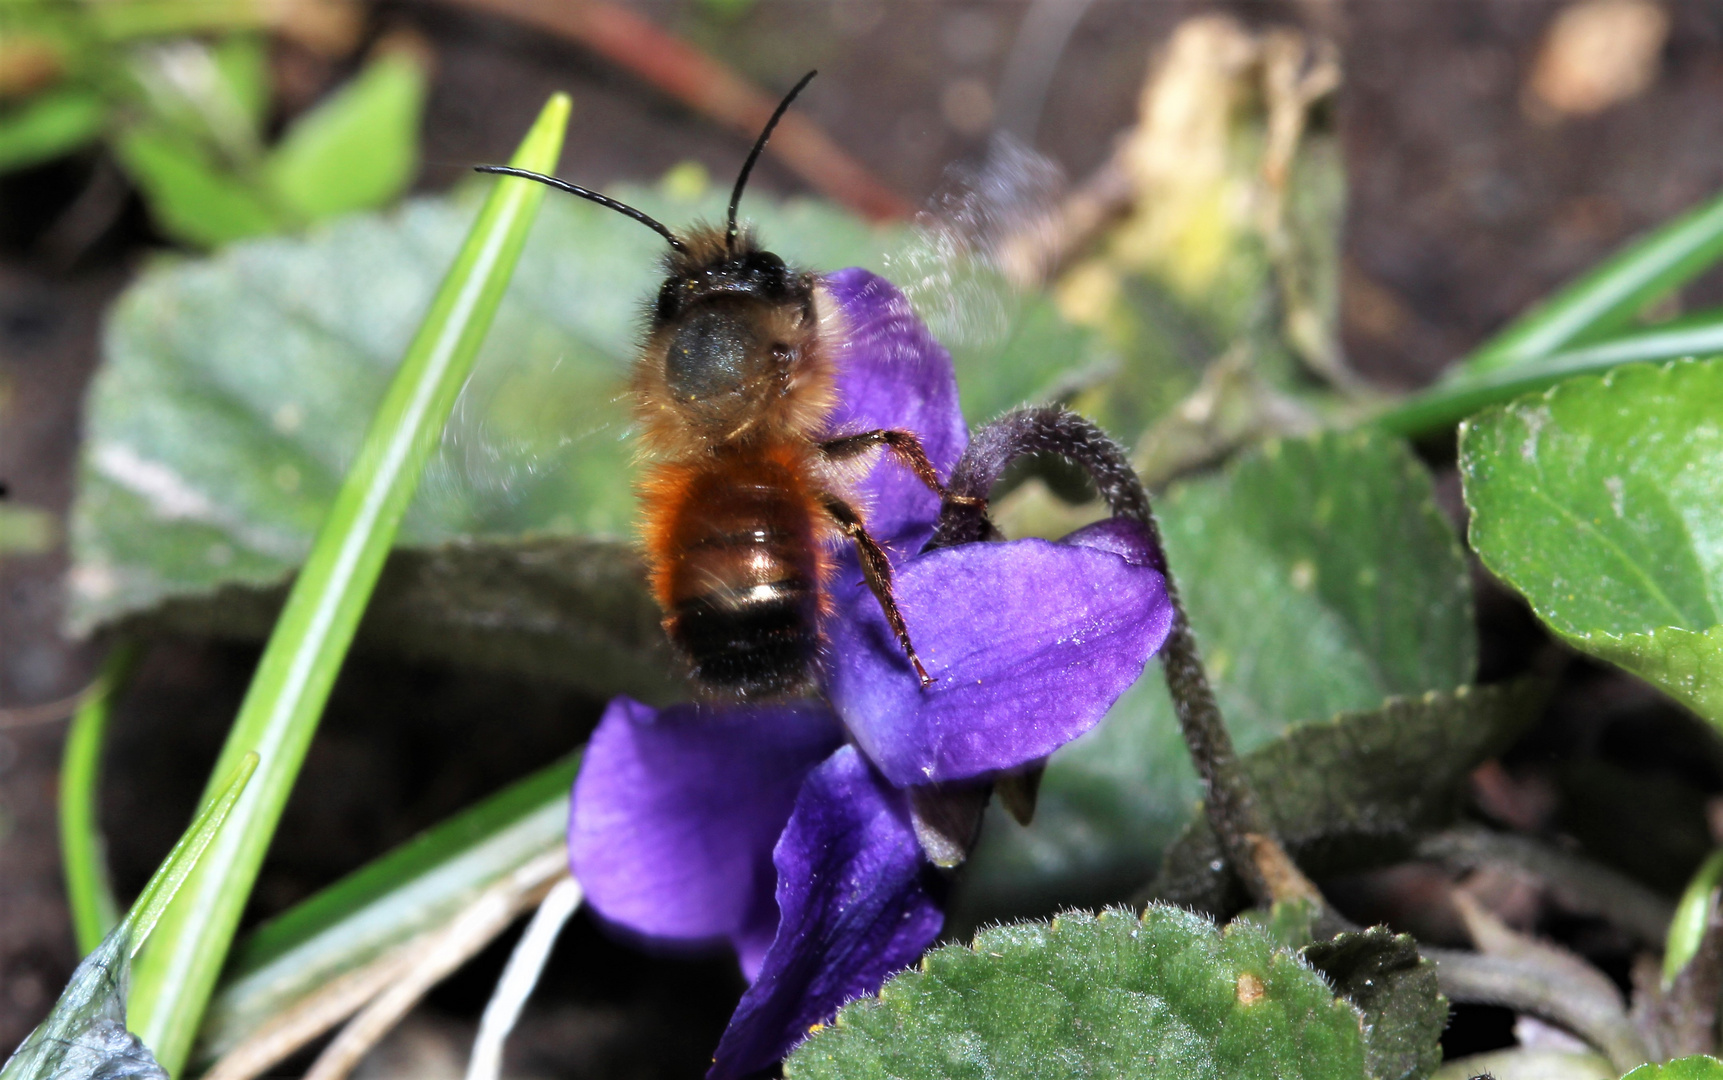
(708, 356)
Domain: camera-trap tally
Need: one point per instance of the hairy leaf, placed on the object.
(1697, 1067)
(1168, 995)
(1382, 974)
(1598, 501)
(1358, 790)
(1320, 578)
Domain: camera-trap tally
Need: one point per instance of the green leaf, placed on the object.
(357, 150)
(1167, 996)
(298, 667)
(1381, 973)
(1454, 399)
(385, 904)
(1359, 790)
(1687, 927)
(1598, 501)
(242, 63)
(189, 195)
(1607, 298)
(1325, 577)
(85, 1036)
(1320, 578)
(1697, 1067)
(49, 125)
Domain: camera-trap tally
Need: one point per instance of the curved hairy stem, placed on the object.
(1230, 803)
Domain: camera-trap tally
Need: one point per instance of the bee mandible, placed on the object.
(744, 490)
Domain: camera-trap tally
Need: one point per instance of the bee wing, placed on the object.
(962, 267)
(537, 441)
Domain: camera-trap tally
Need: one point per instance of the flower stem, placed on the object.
(1230, 803)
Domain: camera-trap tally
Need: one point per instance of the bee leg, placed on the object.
(876, 569)
(908, 450)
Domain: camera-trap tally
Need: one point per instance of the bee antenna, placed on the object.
(754, 155)
(603, 200)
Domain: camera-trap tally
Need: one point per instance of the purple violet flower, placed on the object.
(785, 829)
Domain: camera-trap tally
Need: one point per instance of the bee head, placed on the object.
(732, 328)
(731, 322)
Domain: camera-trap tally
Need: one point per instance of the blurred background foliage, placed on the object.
(180, 90)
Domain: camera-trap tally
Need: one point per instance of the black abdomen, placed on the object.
(744, 580)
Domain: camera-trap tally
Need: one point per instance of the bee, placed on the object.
(745, 492)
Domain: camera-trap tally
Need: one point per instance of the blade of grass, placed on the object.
(1611, 295)
(408, 891)
(159, 892)
(83, 853)
(287, 694)
(1449, 402)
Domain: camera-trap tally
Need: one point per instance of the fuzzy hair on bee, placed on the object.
(744, 494)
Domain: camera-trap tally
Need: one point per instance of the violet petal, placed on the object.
(1030, 642)
(1123, 537)
(856, 905)
(676, 812)
(892, 374)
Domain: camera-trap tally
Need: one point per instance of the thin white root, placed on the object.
(519, 978)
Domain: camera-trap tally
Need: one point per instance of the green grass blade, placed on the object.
(1449, 402)
(171, 875)
(83, 854)
(1610, 296)
(383, 904)
(281, 709)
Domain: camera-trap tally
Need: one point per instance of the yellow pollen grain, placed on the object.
(1250, 989)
